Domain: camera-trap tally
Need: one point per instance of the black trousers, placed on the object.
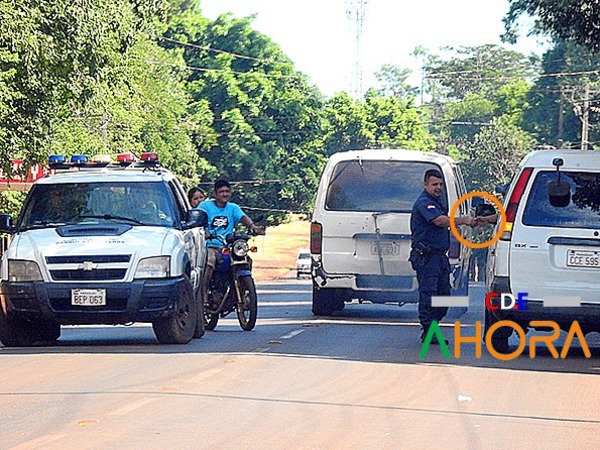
(434, 279)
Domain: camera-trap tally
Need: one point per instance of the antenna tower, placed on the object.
(355, 12)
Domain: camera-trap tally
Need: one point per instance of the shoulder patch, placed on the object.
(430, 206)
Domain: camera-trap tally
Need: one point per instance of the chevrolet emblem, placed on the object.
(88, 265)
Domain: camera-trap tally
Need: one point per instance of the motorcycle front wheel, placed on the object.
(247, 307)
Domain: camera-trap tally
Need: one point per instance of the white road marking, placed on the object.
(262, 349)
(282, 291)
(263, 304)
(132, 406)
(291, 334)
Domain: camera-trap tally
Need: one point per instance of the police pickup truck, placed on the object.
(103, 243)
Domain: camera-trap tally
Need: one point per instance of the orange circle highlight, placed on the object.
(491, 198)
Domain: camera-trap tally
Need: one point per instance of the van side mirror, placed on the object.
(196, 218)
(559, 192)
(6, 223)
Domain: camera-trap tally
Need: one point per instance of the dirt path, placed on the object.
(278, 249)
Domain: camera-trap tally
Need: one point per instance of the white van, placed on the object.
(360, 231)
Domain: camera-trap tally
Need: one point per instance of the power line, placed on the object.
(216, 50)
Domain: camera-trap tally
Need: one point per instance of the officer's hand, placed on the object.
(467, 220)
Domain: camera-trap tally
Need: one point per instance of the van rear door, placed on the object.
(368, 205)
(556, 251)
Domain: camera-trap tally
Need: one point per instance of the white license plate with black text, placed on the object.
(385, 247)
(88, 297)
(583, 258)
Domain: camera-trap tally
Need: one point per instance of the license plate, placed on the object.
(583, 258)
(386, 248)
(88, 297)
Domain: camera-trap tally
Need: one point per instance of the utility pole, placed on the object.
(585, 118)
(355, 12)
(561, 118)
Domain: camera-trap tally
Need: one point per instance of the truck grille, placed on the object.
(91, 275)
(78, 259)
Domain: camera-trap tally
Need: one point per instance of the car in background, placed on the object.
(303, 263)
(550, 244)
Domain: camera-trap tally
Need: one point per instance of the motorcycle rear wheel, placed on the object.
(247, 310)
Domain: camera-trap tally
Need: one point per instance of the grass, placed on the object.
(278, 249)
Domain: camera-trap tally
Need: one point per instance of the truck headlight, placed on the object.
(19, 270)
(240, 248)
(155, 267)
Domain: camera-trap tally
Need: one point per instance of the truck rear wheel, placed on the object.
(499, 339)
(180, 326)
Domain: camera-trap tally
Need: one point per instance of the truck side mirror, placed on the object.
(196, 218)
(6, 223)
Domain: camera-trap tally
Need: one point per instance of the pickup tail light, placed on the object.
(513, 203)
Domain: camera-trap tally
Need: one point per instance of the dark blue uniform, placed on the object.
(428, 256)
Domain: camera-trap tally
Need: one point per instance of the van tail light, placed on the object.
(316, 238)
(513, 203)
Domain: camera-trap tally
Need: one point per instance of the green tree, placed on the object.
(558, 95)
(265, 115)
(572, 20)
(52, 57)
(493, 155)
(393, 82)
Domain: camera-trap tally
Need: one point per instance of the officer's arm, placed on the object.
(443, 221)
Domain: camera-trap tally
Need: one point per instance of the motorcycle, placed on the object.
(231, 287)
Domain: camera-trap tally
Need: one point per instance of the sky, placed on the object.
(321, 41)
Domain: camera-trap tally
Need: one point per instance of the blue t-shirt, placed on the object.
(221, 221)
(425, 209)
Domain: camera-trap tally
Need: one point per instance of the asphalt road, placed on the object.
(354, 380)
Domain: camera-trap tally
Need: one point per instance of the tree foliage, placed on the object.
(54, 56)
(493, 155)
(569, 75)
(572, 20)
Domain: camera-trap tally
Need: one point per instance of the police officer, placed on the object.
(429, 224)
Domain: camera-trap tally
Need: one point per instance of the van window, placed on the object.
(583, 210)
(374, 185)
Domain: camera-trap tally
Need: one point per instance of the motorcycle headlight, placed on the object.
(155, 267)
(23, 271)
(240, 248)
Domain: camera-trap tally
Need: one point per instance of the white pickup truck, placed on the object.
(103, 244)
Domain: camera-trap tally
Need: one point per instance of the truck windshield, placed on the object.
(71, 203)
(373, 185)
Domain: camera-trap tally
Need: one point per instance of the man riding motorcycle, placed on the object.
(223, 216)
